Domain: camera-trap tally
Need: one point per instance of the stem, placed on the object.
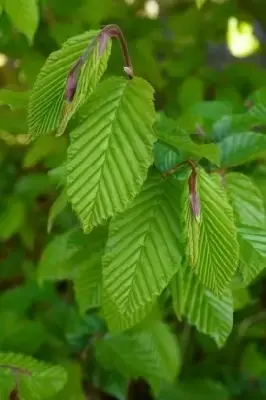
(172, 170)
(114, 31)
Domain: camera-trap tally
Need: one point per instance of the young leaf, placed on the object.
(142, 253)
(24, 15)
(48, 108)
(37, 380)
(210, 314)
(217, 245)
(151, 353)
(241, 148)
(110, 153)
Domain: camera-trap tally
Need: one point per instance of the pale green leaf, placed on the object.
(14, 100)
(37, 380)
(218, 247)
(210, 314)
(142, 253)
(47, 108)
(24, 14)
(152, 354)
(110, 153)
(241, 148)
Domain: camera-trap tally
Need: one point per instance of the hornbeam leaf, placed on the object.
(210, 314)
(110, 153)
(24, 15)
(182, 142)
(246, 200)
(36, 380)
(241, 148)
(142, 253)
(218, 247)
(250, 218)
(48, 109)
(151, 353)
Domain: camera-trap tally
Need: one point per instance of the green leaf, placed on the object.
(88, 279)
(57, 208)
(47, 108)
(152, 354)
(211, 110)
(12, 218)
(190, 92)
(217, 258)
(142, 253)
(196, 389)
(56, 261)
(24, 15)
(200, 3)
(241, 148)
(43, 148)
(210, 314)
(246, 200)
(14, 100)
(181, 141)
(37, 380)
(73, 388)
(110, 153)
(249, 210)
(6, 385)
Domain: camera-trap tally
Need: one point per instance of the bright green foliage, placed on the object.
(128, 243)
(110, 153)
(210, 314)
(151, 353)
(217, 243)
(142, 253)
(36, 380)
(24, 15)
(47, 109)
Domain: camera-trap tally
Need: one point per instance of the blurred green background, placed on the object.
(189, 51)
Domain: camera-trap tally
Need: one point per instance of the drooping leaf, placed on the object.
(142, 253)
(217, 247)
(37, 380)
(47, 107)
(241, 148)
(210, 314)
(110, 153)
(24, 15)
(152, 354)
